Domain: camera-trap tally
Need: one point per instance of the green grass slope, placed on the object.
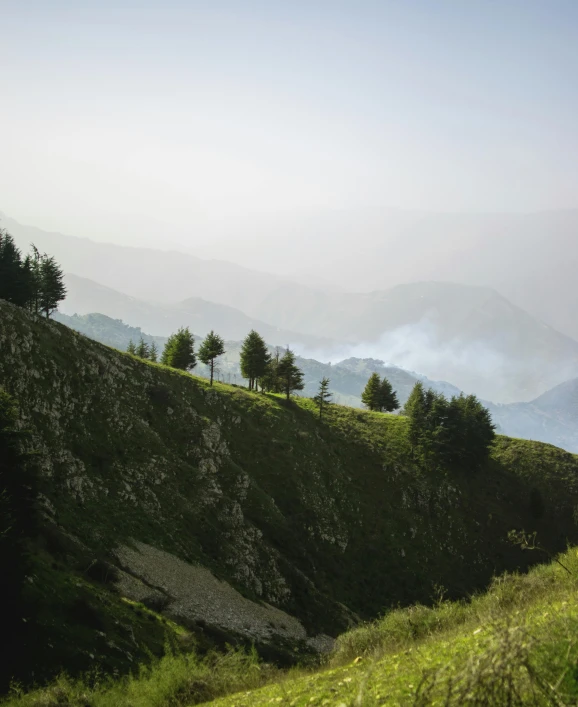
(515, 645)
(329, 521)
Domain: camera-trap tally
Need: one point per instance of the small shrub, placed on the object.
(156, 602)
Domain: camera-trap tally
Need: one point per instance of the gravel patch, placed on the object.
(196, 594)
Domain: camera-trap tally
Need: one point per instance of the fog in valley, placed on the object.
(343, 189)
(289, 352)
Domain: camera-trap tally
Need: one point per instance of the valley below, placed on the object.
(162, 491)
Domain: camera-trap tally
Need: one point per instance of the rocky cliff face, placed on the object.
(240, 511)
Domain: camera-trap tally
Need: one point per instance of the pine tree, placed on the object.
(475, 430)
(269, 381)
(458, 431)
(371, 396)
(153, 352)
(290, 375)
(142, 349)
(387, 398)
(35, 282)
(14, 284)
(212, 347)
(52, 288)
(34, 263)
(179, 351)
(254, 358)
(30, 284)
(131, 348)
(323, 397)
(415, 410)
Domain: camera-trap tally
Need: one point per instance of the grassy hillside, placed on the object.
(551, 418)
(304, 526)
(514, 645)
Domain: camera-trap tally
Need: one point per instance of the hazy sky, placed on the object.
(182, 114)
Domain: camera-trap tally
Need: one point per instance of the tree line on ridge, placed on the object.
(440, 431)
(35, 282)
(459, 430)
(271, 373)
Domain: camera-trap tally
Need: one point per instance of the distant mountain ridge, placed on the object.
(468, 334)
(86, 296)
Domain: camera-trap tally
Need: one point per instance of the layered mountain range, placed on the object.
(469, 335)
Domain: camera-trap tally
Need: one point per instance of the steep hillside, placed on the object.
(293, 527)
(508, 646)
(550, 418)
(348, 377)
(468, 335)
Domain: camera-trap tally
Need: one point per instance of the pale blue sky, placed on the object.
(191, 113)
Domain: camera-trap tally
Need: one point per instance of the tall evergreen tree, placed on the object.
(371, 396)
(35, 282)
(34, 263)
(387, 398)
(254, 358)
(179, 351)
(475, 431)
(52, 288)
(323, 397)
(142, 349)
(131, 348)
(31, 284)
(14, 285)
(153, 352)
(290, 375)
(415, 410)
(269, 381)
(212, 347)
(458, 431)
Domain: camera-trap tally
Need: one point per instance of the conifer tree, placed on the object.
(212, 347)
(14, 285)
(415, 410)
(290, 375)
(35, 282)
(323, 397)
(254, 358)
(131, 348)
(458, 431)
(153, 352)
(371, 396)
(387, 398)
(52, 288)
(30, 284)
(34, 263)
(179, 351)
(269, 381)
(142, 349)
